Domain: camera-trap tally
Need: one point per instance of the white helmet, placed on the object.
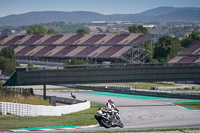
(110, 101)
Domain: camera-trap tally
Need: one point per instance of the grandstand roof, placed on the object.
(191, 54)
(73, 45)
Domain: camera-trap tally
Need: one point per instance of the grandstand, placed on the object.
(191, 54)
(94, 47)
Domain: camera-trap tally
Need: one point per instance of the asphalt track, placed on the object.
(140, 112)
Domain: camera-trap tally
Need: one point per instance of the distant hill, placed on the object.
(160, 14)
(166, 10)
(50, 16)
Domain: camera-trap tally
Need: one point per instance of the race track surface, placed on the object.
(138, 112)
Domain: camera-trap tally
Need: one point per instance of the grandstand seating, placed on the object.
(41, 40)
(7, 39)
(15, 39)
(24, 39)
(75, 51)
(33, 39)
(188, 55)
(64, 51)
(83, 39)
(62, 39)
(25, 50)
(116, 39)
(35, 50)
(98, 51)
(121, 51)
(129, 39)
(44, 50)
(110, 51)
(94, 39)
(86, 51)
(18, 48)
(70, 45)
(176, 59)
(55, 50)
(192, 48)
(196, 52)
(197, 60)
(188, 59)
(105, 39)
(2, 38)
(52, 39)
(72, 39)
(139, 39)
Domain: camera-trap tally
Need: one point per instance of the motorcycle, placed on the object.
(108, 119)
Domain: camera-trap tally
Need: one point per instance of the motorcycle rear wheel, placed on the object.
(121, 125)
(106, 123)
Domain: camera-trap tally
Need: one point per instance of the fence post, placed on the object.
(44, 91)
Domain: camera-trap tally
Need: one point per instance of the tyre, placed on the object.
(106, 123)
(121, 125)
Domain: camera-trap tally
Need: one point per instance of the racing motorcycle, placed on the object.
(108, 119)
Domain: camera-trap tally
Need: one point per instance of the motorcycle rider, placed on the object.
(111, 108)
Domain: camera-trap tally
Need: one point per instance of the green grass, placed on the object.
(191, 105)
(34, 100)
(82, 118)
(140, 85)
(188, 89)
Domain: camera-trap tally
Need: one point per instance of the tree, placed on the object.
(133, 29)
(116, 32)
(74, 61)
(137, 29)
(36, 30)
(7, 66)
(194, 36)
(167, 47)
(8, 52)
(51, 31)
(82, 31)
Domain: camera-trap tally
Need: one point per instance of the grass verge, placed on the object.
(193, 105)
(75, 119)
(34, 100)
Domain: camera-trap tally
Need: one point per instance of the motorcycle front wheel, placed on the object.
(106, 123)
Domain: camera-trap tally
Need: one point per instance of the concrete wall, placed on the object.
(41, 110)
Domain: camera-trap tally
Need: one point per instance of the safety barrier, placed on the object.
(168, 94)
(100, 88)
(174, 87)
(41, 110)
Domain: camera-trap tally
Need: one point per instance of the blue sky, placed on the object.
(8, 7)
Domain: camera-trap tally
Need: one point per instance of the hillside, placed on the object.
(160, 14)
(50, 16)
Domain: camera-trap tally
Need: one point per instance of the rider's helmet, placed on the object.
(110, 101)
